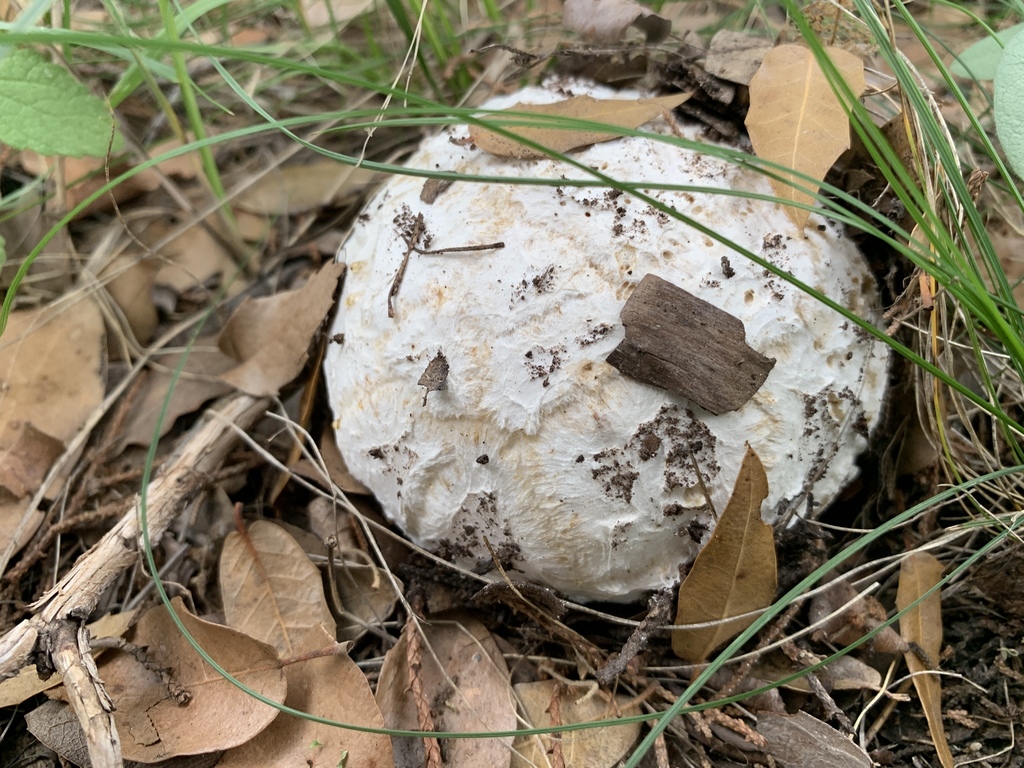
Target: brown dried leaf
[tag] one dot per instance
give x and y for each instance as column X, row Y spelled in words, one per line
column 195, row 257
column 480, row 701
column 846, row 673
column 198, row 383
column 298, row 189
column 129, row 280
column 803, row 740
column 922, row 625
column 271, row 337
column 272, row 591
column 27, row 682
column 55, row 724
column 917, row 449
column 1000, row 578
column 53, row 271
column 606, row 21
column 368, row 597
column 796, row 120
column 254, row 227
column 28, row 456
column 591, row 748
column 735, row 56
column 733, row 574
column 52, row 378
column 332, row 687
column 623, row 113
column 323, row 520
column 841, row 625
column 153, row 725
column 51, row 369
column 336, row 467
column 17, row 526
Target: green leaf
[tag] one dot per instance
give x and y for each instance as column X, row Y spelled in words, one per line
column 42, row 107
column 981, row 59
column 1008, row 104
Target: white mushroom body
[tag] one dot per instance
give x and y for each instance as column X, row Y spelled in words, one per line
column 580, row 477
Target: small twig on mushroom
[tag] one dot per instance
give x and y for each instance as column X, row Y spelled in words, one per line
column 414, row 237
column 463, row 249
column 411, row 239
column 703, row 487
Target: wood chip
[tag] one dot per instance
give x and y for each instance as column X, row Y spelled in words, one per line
column 689, row 347
column 432, row 189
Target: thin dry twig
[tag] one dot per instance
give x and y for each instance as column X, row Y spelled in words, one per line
column 517, row 601
column 805, row 658
column 414, row 237
column 83, row 520
column 774, row 632
column 306, row 406
column 657, row 614
column 661, row 751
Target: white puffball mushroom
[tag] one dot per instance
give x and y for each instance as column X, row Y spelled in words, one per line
column 578, row 476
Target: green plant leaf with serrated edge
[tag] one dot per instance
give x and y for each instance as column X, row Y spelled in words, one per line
column 43, row 108
column 980, row 60
column 1008, row 104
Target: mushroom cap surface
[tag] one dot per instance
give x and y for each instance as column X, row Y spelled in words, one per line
column 578, row 476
